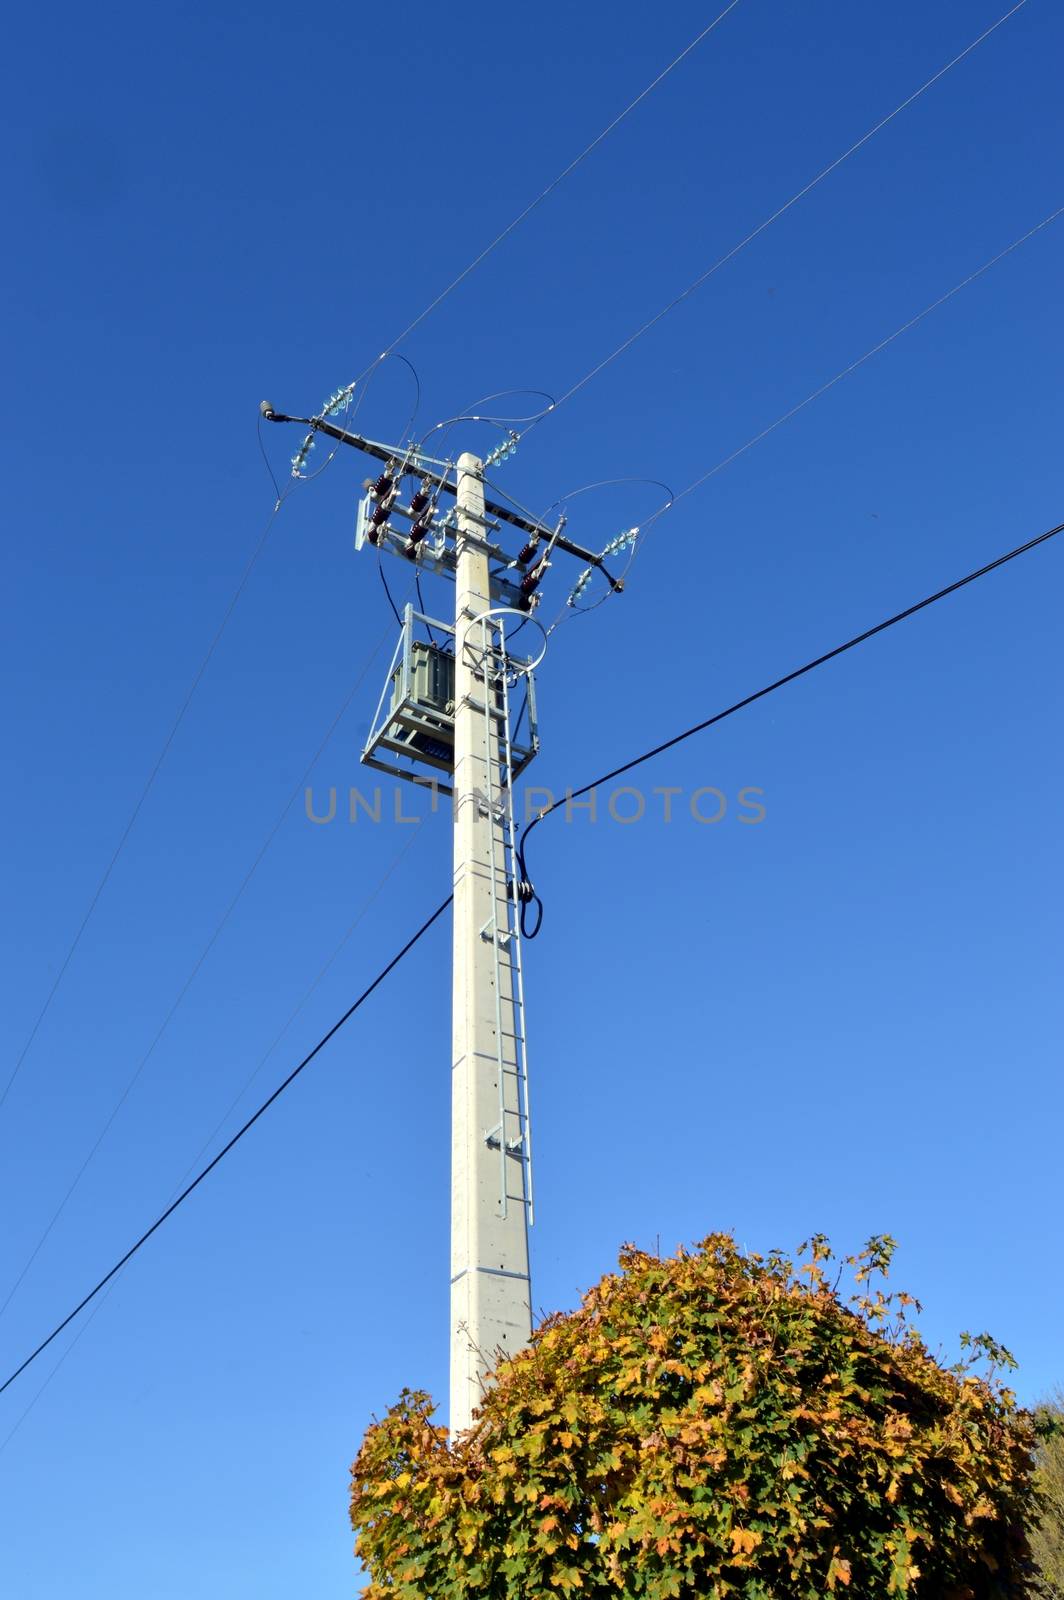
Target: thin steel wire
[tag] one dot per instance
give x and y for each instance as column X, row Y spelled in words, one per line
column 823, row 389
column 780, row 211
column 191, row 978
column 224, row 1118
column 538, row 201
column 145, row 790
column 852, row 367
column 244, row 1129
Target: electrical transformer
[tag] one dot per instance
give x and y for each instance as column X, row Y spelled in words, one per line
column 415, row 715
column 422, row 705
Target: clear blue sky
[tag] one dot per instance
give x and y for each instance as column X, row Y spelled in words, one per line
column 845, row 1019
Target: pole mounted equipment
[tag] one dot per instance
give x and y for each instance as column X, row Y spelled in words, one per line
column 440, row 474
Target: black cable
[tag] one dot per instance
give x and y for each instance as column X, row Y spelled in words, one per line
column 526, row 891
column 417, row 395
column 520, row 715
column 388, row 592
column 224, row 1151
column 421, row 600
column 527, row 896
column 142, row 1063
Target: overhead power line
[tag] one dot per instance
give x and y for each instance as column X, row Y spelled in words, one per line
column 539, row 199
column 326, row 965
column 853, row 366
column 780, row 211
column 815, row 394
column 770, row 688
column 725, row 461
column 82, row 1330
column 146, row 788
column 231, row 1144
column 223, row 1119
column 175, row 1005
column 422, row 315
column 627, row 766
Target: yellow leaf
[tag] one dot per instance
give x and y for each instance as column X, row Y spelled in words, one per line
column 838, row 1572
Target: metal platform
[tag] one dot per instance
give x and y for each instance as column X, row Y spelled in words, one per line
column 412, row 732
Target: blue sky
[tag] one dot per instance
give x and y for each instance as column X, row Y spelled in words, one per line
column 844, row 1019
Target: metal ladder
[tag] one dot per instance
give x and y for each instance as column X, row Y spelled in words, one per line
column 512, row 1134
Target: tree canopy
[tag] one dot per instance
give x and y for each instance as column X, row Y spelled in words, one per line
column 1047, row 1539
column 716, row 1424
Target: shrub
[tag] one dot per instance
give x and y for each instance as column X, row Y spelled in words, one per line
column 715, row 1424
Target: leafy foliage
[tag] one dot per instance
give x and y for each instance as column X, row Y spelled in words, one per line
column 1047, row 1537
column 716, row 1424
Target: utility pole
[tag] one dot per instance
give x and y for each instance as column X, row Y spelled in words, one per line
column 491, row 1308
column 446, row 709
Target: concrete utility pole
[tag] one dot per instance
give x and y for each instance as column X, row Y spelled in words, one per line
column 491, row 1308
column 443, row 713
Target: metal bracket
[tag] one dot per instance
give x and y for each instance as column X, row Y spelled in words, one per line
column 513, row 1146
column 490, row 808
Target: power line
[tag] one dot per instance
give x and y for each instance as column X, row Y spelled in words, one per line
column 281, row 496
column 770, row 688
column 190, row 979
column 825, row 172
column 853, row 366
column 700, row 727
column 823, row 388
column 532, row 206
column 779, row 212
column 572, row 794
column 223, row 1119
column 399, row 856
column 145, row 791
column 82, row 1330
column 235, row 1140
column 242, row 584
column 538, row 201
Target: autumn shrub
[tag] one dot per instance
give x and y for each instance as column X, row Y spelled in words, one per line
column 715, row 1424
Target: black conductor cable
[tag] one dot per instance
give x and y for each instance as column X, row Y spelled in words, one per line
column 525, row 890
column 527, row 896
column 387, row 590
column 421, row 601
column 226, row 1148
